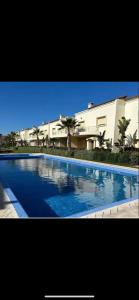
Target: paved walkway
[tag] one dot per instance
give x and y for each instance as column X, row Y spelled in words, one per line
column 6, row 208
column 126, row 210
column 130, row 210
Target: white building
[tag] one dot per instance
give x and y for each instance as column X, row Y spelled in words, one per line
column 105, row 116
column 93, row 120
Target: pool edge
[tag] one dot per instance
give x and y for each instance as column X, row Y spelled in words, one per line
column 113, row 205
column 21, row 213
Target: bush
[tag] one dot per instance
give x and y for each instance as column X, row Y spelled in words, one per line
column 124, row 157
column 130, row 149
column 6, row 150
column 101, row 155
column 112, row 157
column 29, row 149
column 60, row 152
column 83, row 154
column 96, row 155
column 134, row 158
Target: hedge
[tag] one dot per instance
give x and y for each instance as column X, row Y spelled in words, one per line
column 93, row 155
column 6, row 150
column 134, row 158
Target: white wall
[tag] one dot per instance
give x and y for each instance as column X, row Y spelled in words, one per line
column 45, row 129
column 90, row 117
column 119, row 113
column 132, row 112
column 24, row 134
column 59, row 133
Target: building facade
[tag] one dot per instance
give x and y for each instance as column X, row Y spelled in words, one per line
column 94, row 120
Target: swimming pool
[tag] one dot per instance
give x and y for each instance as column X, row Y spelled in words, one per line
column 46, row 186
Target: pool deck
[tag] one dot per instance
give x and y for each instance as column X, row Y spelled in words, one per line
column 6, row 207
column 126, row 210
column 130, row 210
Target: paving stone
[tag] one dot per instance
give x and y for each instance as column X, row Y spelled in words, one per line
column 126, row 210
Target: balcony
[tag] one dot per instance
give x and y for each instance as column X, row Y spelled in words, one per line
column 79, row 131
column 88, row 130
column 59, row 133
column 31, row 138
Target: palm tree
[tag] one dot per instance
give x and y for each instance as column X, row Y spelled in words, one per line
column 21, row 142
column 37, row 132
column 101, row 139
column 8, row 140
column 53, row 141
column 0, row 138
column 131, row 140
column 123, row 125
column 47, row 140
column 43, row 141
column 69, row 124
column 11, row 138
column 25, row 143
column 109, row 144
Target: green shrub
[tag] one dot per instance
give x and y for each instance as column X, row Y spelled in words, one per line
column 134, row 158
column 112, row 157
column 101, row 155
column 29, row 149
column 60, row 152
column 124, row 157
column 6, row 150
column 83, row 154
column 95, row 155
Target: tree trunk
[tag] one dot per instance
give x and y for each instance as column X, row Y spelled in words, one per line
column 69, row 141
column 43, row 142
column 38, row 141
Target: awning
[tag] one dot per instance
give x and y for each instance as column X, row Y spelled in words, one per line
column 93, row 138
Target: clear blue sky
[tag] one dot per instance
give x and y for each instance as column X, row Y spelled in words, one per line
column 24, row 104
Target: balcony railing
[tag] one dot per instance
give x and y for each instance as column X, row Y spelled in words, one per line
column 59, row 133
column 88, row 130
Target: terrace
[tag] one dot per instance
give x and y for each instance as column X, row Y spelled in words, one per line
column 87, row 130
column 81, row 131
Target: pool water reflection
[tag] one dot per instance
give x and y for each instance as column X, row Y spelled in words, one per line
column 55, row 188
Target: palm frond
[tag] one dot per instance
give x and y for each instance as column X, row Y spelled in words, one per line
column 135, row 135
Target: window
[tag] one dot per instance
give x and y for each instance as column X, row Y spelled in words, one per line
column 101, row 121
column 53, row 131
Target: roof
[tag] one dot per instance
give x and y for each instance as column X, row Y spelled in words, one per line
column 52, row 121
column 88, row 109
column 49, row 122
column 39, row 125
column 129, row 98
column 92, row 138
column 112, row 100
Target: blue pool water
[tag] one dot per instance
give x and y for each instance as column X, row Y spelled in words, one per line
column 47, row 187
